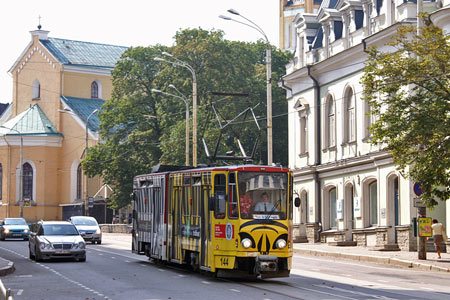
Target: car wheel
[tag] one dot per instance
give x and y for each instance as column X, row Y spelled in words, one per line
column 2, row 237
column 99, row 242
column 30, row 254
column 82, row 259
column 25, row 239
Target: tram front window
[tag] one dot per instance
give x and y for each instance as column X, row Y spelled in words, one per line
column 262, row 195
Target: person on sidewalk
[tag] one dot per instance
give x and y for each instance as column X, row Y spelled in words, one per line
column 438, row 236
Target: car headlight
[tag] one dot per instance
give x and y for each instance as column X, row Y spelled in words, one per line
column 81, row 245
column 98, row 231
column 281, row 244
column 246, row 243
column 25, row 231
column 45, row 246
column 6, row 230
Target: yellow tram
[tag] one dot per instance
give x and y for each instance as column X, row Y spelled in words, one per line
column 235, row 219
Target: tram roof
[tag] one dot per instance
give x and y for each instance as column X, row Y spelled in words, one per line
column 249, row 168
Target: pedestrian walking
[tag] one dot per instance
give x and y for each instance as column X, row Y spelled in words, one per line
column 438, row 236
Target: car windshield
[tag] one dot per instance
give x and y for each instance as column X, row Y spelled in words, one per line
column 60, row 229
column 262, row 195
column 84, row 221
column 15, row 222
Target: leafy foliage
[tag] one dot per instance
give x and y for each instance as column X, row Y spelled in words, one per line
column 141, row 129
column 409, row 93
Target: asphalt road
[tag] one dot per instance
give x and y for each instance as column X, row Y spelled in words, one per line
column 113, row 272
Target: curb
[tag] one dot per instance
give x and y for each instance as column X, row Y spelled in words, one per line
column 373, row 259
column 8, row 269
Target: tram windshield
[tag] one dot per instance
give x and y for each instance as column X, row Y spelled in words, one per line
column 262, row 195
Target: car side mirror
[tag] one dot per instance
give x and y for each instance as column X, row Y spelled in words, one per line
column 297, row 202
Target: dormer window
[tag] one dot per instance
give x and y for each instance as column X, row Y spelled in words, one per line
column 36, row 93
column 94, row 90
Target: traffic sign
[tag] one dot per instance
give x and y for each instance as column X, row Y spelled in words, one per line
column 418, row 189
column 418, row 202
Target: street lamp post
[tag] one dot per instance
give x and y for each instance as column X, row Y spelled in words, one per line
column 86, row 201
column 268, row 79
column 20, row 172
column 185, row 100
column 183, row 64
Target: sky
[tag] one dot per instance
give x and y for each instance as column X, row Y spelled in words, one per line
column 125, row 23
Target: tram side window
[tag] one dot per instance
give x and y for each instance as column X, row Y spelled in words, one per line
column 233, row 211
column 219, row 196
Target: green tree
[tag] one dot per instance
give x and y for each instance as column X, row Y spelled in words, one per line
column 408, row 90
column 141, row 129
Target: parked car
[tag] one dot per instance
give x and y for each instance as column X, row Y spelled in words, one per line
column 88, row 228
column 14, row 228
column 56, row 239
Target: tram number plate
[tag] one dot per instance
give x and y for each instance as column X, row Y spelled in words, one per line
column 224, row 262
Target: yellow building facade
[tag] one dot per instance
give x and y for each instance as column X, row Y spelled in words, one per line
column 59, row 87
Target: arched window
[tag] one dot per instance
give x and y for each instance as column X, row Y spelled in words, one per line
column 94, row 89
column 27, row 183
column 331, row 123
column 79, row 178
column 373, row 203
column 36, row 93
column 333, row 204
column 349, row 118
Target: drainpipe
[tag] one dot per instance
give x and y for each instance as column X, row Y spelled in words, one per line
column 317, row 157
column 283, row 86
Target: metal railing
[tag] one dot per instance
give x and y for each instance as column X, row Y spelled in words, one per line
column 5, row 294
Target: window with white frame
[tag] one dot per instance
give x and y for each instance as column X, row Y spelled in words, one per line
column 373, row 203
column 349, row 116
column 333, row 206
column 36, row 90
column 303, row 134
column 331, row 123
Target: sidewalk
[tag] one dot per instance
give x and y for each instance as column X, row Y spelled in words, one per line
column 397, row 258
column 6, row 266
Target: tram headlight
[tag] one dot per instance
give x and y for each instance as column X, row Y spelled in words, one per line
column 246, row 243
column 281, row 244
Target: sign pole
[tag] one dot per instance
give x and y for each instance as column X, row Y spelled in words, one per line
column 421, row 240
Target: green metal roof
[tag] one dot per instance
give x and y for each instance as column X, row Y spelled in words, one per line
column 83, row 107
column 32, row 121
column 87, row 54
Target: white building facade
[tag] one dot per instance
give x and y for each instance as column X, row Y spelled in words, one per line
column 350, row 190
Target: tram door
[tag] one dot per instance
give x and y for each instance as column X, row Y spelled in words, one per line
column 157, row 211
column 205, row 225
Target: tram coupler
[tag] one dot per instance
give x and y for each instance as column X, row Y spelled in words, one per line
column 266, row 263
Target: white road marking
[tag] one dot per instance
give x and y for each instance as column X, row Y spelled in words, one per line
column 206, row 282
column 113, row 257
column 425, row 288
column 182, row 276
column 355, row 292
column 236, row 291
column 127, row 261
column 142, row 265
column 19, row 292
column 161, row 270
column 24, row 276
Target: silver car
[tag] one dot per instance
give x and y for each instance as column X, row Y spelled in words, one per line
column 88, row 228
column 14, row 228
column 56, row 239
